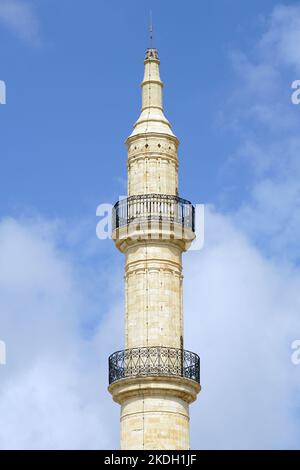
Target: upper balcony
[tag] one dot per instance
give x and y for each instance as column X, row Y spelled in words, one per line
column 157, row 216
column 156, row 207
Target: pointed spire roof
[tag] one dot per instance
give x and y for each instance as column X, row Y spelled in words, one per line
column 152, row 118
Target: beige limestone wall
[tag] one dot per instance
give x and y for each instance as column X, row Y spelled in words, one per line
column 153, row 286
column 159, row 422
column 152, row 166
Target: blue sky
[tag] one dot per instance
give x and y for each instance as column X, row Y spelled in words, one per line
column 72, row 71
column 73, row 95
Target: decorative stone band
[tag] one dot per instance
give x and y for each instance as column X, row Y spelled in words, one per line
column 154, row 361
column 153, row 207
column 156, row 386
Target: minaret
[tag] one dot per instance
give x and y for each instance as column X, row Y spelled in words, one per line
column 154, row 379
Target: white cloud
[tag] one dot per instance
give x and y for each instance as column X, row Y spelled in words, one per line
column 53, row 391
column 53, row 387
column 281, row 41
column 241, row 315
column 20, row 17
column 245, row 284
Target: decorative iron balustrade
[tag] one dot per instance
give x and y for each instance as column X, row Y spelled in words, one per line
column 148, row 207
column 154, row 361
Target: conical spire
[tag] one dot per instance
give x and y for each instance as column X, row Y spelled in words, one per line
column 152, row 118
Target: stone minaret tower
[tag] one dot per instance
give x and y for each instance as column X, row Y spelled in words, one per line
column 154, row 379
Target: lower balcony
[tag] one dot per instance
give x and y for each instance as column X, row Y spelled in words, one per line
column 154, row 361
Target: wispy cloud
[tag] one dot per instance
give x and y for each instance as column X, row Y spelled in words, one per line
column 267, row 131
column 20, row 17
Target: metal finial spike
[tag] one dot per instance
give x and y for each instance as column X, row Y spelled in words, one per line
column 151, row 29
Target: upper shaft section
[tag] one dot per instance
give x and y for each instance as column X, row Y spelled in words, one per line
column 152, row 146
column 152, row 118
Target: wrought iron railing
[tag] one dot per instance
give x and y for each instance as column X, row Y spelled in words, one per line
column 161, row 207
column 154, row 361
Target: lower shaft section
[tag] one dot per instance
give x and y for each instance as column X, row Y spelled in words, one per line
column 155, row 422
column 154, row 411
